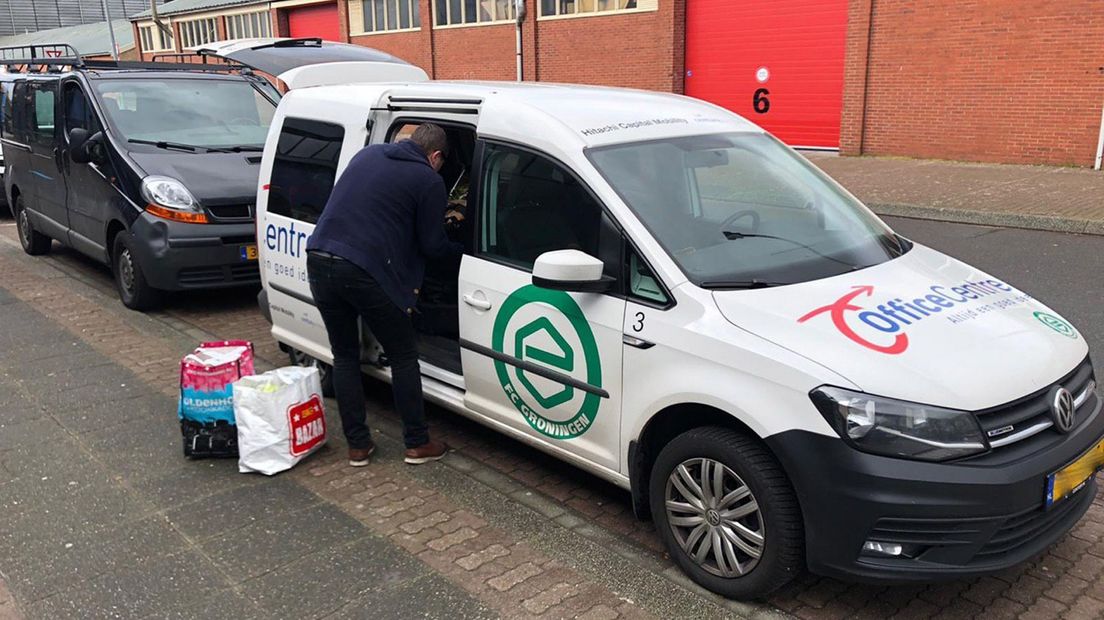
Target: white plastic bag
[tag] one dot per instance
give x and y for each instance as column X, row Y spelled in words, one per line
column 280, row 418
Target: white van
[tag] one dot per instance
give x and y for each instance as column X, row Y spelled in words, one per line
column 657, row 291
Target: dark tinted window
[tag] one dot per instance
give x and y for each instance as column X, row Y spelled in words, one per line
column 304, row 168
column 44, row 98
column 532, row 205
column 7, row 97
column 78, row 111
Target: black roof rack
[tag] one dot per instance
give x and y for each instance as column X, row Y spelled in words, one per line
column 58, row 57
column 43, row 56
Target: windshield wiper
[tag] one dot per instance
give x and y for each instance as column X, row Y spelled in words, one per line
column 164, row 144
column 732, row 235
column 741, row 284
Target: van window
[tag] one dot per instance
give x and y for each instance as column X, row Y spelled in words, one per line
column 643, row 284
column 7, row 109
column 531, row 205
column 205, row 112
column 43, row 128
column 741, row 209
column 78, row 112
column 304, row 168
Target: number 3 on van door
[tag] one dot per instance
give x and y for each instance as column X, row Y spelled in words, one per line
column 639, row 325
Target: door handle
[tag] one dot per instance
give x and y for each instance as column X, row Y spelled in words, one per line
column 481, row 304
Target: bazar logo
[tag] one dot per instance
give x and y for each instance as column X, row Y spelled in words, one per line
column 893, row 316
column 563, row 359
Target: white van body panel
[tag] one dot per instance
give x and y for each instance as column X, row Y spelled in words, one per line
column 992, row 329
column 350, row 73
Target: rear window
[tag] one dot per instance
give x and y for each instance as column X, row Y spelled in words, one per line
column 304, row 168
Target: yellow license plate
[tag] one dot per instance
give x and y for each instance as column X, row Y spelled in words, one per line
column 1072, row 477
column 249, row 252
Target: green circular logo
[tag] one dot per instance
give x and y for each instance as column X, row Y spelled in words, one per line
column 564, row 359
column 1056, row 324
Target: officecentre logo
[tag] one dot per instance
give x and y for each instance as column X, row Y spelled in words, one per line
column 544, row 408
column 892, row 318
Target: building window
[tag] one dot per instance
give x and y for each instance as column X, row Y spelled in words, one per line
column 384, row 15
column 461, row 12
column 248, row 25
column 561, row 8
column 199, row 32
column 154, row 39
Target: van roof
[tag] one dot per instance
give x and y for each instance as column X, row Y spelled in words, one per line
column 590, row 115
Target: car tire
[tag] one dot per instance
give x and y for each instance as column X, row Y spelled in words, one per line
column 134, row 291
column 325, row 371
column 33, row 242
column 762, row 515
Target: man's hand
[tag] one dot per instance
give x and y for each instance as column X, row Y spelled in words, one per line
column 453, row 217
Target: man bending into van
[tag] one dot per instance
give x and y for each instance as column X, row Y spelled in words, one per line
column 366, row 259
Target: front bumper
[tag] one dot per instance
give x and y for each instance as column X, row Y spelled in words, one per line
column 960, row 519
column 178, row 256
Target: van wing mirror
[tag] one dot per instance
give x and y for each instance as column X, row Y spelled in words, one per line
column 570, row 270
column 86, row 147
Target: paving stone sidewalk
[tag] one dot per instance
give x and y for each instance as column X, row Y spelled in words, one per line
column 1039, row 197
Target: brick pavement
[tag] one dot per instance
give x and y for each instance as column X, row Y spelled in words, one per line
column 494, row 557
column 1042, row 197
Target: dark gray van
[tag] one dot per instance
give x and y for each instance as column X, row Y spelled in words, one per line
column 150, row 168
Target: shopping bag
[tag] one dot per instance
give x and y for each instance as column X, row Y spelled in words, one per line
column 280, row 418
column 206, row 406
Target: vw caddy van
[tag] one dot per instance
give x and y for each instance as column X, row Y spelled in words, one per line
column 660, row 293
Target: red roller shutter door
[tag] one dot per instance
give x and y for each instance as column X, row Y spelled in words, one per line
column 318, row 20
column 776, row 62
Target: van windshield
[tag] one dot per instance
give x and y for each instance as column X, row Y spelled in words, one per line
column 742, row 210
column 200, row 112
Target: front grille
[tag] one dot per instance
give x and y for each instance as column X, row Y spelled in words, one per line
column 235, row 212
column 246, row 273
column 1019, row 529
column 1030, row 416
column 980, row 541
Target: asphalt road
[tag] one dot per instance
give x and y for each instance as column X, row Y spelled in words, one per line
column 1065, row 272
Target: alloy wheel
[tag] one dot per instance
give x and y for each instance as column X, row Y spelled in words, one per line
column 715, row 517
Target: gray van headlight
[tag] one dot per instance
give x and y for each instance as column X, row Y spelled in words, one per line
column 169, row 199
column 899, row 428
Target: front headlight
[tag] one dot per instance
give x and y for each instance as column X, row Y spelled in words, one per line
column 169, row 199
column 899, row 428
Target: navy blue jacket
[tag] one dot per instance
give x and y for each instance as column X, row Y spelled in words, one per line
column 386, row 215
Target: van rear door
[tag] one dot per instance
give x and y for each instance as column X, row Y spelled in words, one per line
column 298, row 171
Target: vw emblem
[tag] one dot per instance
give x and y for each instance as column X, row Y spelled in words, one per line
column 1061, row 409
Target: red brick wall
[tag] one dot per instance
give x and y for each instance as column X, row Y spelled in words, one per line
column 635, row 50
column 981, row 80
column 641, row 50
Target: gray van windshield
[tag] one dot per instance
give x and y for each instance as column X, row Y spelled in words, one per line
column 199, row 112
column 741, row 210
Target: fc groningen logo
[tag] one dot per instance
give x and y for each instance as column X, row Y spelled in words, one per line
column 519, row 388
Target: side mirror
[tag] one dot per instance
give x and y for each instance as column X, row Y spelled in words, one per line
column 570, row 270
column 85, row 147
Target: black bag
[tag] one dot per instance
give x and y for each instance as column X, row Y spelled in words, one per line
column 211, row 440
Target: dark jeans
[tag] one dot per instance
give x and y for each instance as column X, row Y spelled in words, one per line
column 343, row 293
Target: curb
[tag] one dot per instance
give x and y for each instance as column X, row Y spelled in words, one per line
column 1048, row 223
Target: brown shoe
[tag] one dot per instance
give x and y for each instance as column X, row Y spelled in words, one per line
column 429, row 451
column 359, row 457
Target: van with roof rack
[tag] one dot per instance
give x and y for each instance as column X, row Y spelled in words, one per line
column 149, row 167
column 659, row 292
